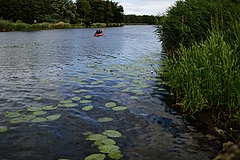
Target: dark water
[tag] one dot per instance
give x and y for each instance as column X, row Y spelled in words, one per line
column 118, row 67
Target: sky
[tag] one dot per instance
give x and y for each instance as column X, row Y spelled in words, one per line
column 145, row 7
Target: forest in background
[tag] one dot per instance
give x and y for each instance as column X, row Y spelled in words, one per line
column 83, row 12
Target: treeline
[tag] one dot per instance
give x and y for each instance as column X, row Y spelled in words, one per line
column 202, row 41
column 53, row 11
column 140, row 19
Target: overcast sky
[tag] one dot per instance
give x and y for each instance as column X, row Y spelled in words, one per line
column 145, row 7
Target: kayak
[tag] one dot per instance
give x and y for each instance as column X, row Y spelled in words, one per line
column 98, row 34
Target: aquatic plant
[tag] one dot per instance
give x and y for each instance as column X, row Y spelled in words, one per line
column 207, row 77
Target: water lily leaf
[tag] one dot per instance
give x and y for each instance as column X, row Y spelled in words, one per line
column 17, row 120
column 53, row 117
column 96, row 157
column 76, row 98
column 108, row 141
column 98, row 143
column 34, row 109
column 109, row 149
column 37, row 98
column 3, row 129
column 39, row 119
column 161, row 89
column 134, row 97
column 119, row 108
column 95, row 137
column 115, row 155
column 39, row 113
column 70, row 105
column 87, row 133
column 65, row 101
column 88, row 96
column 112, row 133
column 105, row 119
column 12, row 114
column 28, row 117
column 78, row 91
column 87, row 108
column 110, row 104
column 85, row 101
column 48, row 108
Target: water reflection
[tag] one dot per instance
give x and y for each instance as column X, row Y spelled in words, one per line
column 57, row 65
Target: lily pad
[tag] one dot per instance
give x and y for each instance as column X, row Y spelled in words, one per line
column 65, row 101
column 95, row 137
column 134, row 97
column 78, row 91
column 12, row 114
column 39, row 119
column 88, row 96
column 105, row 119
column 34, row 109
column 112, row 133
column 115, row 155
column 87, row 108
column 76, row 98
column 37, row 98
column 17, row 120
column 70, row 105
column 87, row 133
column 28, row 117
column 108, row 141
column 53, row 117
column 96, row 157
column 39, row 113
column 3, row 129
column 109, row 149
column 48, row 108
column 85, row 101
column 110, row 104
column 119, row 108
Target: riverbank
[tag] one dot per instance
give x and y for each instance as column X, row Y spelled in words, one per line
column 9, row 26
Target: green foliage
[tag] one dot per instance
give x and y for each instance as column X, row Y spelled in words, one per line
column 95, row 11
column 190, row 21
column 136, row 19
column 6, row 26
column 207, row 76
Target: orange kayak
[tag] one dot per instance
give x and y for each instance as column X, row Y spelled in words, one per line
column 98, row 34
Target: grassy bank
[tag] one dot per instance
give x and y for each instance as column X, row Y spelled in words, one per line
column 8, row 26
column 203, row 65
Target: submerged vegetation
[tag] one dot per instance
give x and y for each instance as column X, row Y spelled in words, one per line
column 202, row 42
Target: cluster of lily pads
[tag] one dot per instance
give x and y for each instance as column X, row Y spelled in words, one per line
column 105, row 144
column 130, row 79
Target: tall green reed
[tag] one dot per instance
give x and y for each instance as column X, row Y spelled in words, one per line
column 206, row 77
column 190, row 21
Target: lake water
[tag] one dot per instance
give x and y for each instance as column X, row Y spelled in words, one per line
column 71, row 76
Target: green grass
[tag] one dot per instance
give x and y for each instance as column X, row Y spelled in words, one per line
column 202, row 43
column 8, row 26
column 206, row 77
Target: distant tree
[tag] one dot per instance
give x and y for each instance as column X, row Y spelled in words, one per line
column 132, row 18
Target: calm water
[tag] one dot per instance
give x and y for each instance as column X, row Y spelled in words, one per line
column 43, row 68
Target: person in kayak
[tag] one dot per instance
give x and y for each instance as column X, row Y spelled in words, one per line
column 98, row 32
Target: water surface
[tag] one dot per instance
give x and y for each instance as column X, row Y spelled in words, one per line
column 43, row 68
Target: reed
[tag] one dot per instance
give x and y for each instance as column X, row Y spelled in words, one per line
column 206, row 77
column 191, row 21
column 7, row 26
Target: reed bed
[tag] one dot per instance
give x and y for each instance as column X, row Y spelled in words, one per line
column 8, row 26
column 202, row 41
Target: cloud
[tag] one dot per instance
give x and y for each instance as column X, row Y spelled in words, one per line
column 146, row 7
